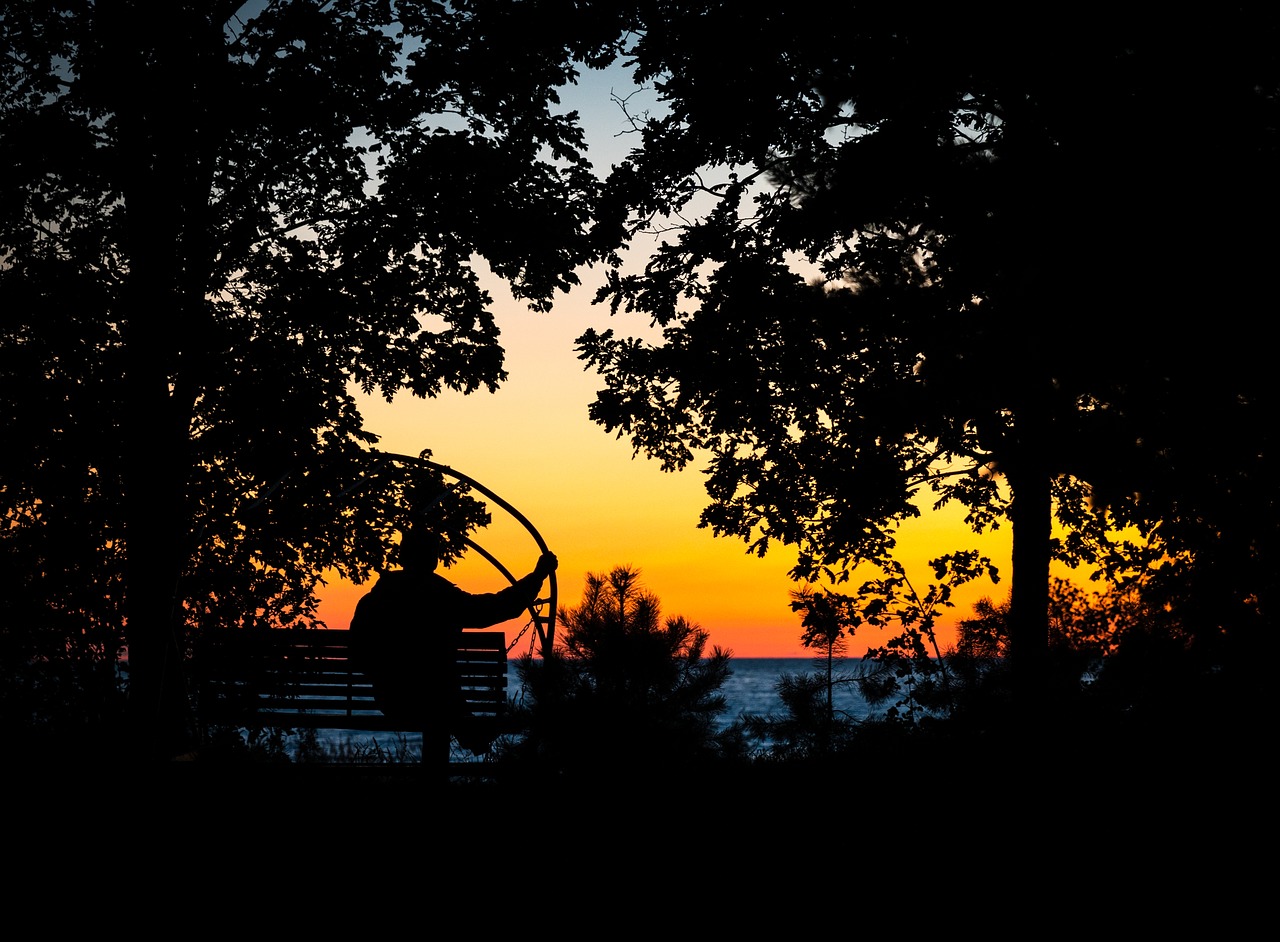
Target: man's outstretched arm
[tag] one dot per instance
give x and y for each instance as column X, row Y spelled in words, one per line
column 481, row 610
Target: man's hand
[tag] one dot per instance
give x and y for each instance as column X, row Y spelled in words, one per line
column 547, row 564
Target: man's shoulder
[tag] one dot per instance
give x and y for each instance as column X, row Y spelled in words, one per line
column 398, row 582
column 398, row 588
column 391, row 592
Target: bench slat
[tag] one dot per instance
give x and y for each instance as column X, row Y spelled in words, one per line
column 303, row 678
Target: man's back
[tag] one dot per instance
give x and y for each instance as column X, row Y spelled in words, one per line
column 405, row 635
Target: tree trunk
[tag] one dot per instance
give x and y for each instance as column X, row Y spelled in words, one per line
column 1031, row 516
column 158, row 704
column 152, row 165
column 1029, row 596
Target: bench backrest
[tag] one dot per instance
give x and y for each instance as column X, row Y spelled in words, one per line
column 304, row 678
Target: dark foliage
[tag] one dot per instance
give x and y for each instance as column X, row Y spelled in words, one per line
column 1002, row 236
column 626, row 691
column 216, row 221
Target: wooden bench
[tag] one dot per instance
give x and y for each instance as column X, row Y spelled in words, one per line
column 286, row 678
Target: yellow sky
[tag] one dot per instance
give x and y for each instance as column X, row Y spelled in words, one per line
column 597, row 507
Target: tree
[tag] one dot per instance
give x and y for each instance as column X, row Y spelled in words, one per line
column 624, row 688
column 216, row 219
column 811, row 726
column 994, row 271
column 825, row 619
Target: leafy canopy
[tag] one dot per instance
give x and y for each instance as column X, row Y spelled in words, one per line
column 217, row 221
column 898, row 259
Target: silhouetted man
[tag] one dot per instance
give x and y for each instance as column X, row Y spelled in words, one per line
column 406, row 630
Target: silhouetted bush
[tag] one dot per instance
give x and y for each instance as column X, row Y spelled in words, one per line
column 624, row 688
column 809, row 728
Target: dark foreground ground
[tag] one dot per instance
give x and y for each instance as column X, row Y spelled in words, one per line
column 1213, row 780
column 1141, row 836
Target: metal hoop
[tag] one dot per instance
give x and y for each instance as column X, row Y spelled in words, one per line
column 543, row 624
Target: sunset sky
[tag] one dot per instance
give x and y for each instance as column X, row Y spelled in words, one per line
column 595, row 505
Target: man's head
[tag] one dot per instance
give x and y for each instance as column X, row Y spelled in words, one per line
column 421, row 548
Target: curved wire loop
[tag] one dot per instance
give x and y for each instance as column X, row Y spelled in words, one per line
column 544, row 624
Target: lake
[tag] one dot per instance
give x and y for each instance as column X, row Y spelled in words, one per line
column 751, row 688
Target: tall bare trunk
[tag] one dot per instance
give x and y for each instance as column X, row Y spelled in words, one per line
column 1031, row 514
column 152, row 168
